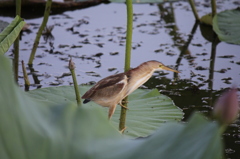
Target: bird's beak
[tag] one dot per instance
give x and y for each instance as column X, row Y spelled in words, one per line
column 169, row 69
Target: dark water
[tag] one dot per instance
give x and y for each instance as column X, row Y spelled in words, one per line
column 95, row 38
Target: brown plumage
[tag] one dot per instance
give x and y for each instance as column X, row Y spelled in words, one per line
column 110, row 91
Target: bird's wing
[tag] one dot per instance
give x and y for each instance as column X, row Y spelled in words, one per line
column 107, row 87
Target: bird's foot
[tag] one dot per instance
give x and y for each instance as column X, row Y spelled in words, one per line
column 123, row 102
column 123, row 106
column 121, row 131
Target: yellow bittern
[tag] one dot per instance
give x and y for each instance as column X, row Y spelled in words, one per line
column 110, row 91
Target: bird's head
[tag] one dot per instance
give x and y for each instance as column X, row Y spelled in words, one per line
column 160, row 66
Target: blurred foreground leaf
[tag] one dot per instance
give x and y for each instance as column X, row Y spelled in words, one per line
column 148, row 109
column 226, row 24
column 10, row 33
column 44, row 130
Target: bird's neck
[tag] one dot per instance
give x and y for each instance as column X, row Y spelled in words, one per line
column 139, row 76
column 142, row 74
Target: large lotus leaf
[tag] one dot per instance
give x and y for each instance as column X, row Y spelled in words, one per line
column 10, row 33
column 147, row 108
column 33, row 129
column 144, row 1
column 227, row 26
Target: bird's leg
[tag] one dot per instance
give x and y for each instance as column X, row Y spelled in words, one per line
column 111, row 110
column 121, row 104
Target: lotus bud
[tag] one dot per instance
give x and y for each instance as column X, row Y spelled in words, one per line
column 226, row 107
column 71, row 64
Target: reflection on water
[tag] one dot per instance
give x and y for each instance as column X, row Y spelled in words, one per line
column 95, row 39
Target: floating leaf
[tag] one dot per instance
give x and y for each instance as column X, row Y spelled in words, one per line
column 147, row 108
column 227, row 26
column 207, row 19
column 32, row 128
column 10, row 33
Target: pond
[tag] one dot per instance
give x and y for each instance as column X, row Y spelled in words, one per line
column 95, row 38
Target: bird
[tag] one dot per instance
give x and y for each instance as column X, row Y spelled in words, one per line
column 110, row 91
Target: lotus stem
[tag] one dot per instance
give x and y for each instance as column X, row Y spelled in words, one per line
column 127, row 59
column 25, row 76
column 16, row 43
column 16, row 58
column 129, row 35
column 77, row 92
column 194, row 10
column 39, row 33
column 214, row 8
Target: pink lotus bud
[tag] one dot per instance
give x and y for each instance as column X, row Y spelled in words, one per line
column 226, row 107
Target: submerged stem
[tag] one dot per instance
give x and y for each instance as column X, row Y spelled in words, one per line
column 127, row 58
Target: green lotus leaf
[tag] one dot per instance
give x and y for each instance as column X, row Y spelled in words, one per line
column 41, row 129
column 226, row 24
column 148, row 109
column 10, row 33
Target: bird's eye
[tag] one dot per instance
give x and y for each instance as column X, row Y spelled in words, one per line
column 160, row 65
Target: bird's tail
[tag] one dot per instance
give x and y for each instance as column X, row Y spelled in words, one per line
column 86, row 101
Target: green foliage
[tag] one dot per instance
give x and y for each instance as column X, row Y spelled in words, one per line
column 33, row 129
column 148, row 109
column 10, row 33
column 227, row 26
